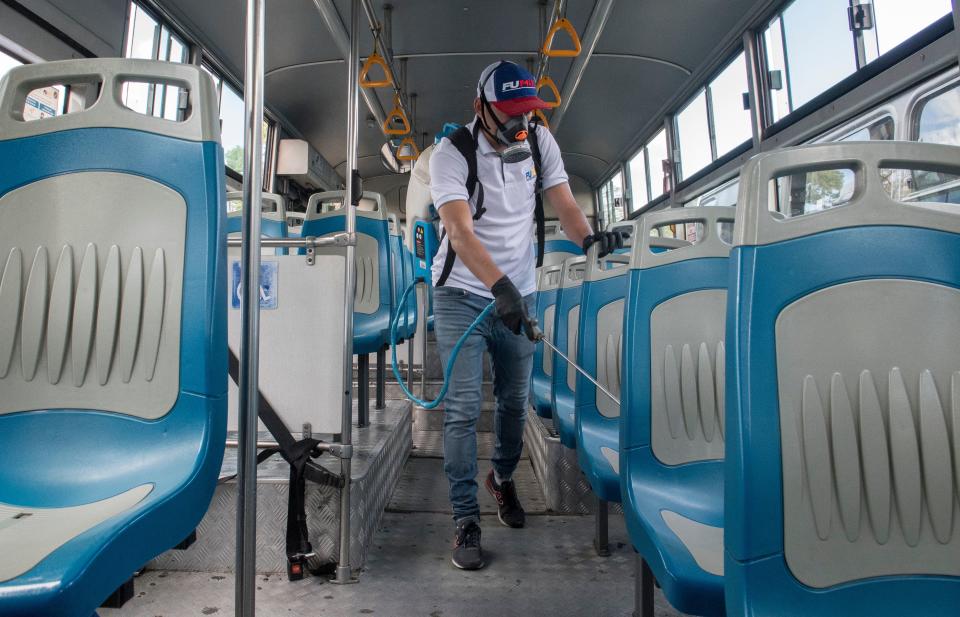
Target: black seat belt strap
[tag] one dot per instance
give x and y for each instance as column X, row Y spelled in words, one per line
column 298, row 455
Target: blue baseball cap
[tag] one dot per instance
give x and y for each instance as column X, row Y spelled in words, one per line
column 510, row 88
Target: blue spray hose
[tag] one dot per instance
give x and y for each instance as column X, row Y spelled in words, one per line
column 453, row 353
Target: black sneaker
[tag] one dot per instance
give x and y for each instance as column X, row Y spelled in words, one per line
column 467, row 554
column 509, row 510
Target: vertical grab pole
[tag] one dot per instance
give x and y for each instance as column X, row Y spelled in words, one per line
column 250, row 317
column 344, row 571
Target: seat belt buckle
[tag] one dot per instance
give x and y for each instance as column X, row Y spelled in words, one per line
column 296, row 564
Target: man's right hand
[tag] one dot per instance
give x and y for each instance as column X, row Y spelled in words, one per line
column 510, row 305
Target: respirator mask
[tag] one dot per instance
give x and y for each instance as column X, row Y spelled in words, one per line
column 512, row 134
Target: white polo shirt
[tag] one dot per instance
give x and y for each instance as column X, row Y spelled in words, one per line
column 507, row 228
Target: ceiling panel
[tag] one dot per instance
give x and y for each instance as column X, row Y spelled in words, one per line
column 449, row 43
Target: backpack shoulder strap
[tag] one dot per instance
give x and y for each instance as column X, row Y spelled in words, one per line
column 466, row 144
column 538, row 213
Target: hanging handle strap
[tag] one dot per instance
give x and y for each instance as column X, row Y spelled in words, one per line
column 561, row 24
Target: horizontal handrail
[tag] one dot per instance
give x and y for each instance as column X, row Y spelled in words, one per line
column 340, row 239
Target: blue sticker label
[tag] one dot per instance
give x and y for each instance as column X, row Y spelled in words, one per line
column 268, row 285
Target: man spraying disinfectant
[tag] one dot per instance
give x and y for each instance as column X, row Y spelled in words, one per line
column 487, row 183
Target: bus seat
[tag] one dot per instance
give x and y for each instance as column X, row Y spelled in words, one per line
column 373, row 299
column 548, row 283
column 844, row 391
column 273, row 221
column 565, row 330
column 294, row 223
column 556, row 245
column 671, row 435
column 112, row 332
column 599, row 350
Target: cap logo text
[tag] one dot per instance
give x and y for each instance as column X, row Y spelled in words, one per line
column 517, row 85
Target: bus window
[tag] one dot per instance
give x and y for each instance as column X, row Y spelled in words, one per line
column 637, row 168
column 938, row 118
column 693, row 136
column 808, row 192
column 723, row 195
column 731, row 121
column 149, row 39
column 7, row 63
column 896, row 20
column 878, row 131
column 811, row 46
column 659, row 164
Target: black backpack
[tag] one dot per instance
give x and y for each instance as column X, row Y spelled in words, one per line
column 465, row 142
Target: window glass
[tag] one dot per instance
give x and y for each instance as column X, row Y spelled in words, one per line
column 811, row 46
column 149, row 39
column 898, row 20
column 723, row 195
column 819, row 47
column 693, row 136
column 7, row 63
column 938, row 119
column 813, row 191
column 878, row 131
column 921, row 185
column 730, row 120
column 41, row 103
column 637, row 168
column 231, row 128
column 779, row 93
column 618, row 207
column 659, row 164
column 141, row 34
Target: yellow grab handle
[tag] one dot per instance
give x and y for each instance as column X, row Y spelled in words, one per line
column 396, row 114
column 375, row 59
column 546, row 82
column 561, row 24
column 414, row 150
column 542, row 119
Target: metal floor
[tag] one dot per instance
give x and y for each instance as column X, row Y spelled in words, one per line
column 547, row 568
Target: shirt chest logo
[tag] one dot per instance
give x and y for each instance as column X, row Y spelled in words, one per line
column 530, row 174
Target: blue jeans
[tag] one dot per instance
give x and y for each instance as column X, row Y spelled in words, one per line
column 512, row 354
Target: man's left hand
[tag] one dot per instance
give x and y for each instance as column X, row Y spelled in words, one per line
column 607, row 241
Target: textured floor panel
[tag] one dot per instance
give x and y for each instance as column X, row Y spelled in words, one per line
column 379, row 453
column 565, row 487
column 423, row 488
column 429, row 444
column 548, row 568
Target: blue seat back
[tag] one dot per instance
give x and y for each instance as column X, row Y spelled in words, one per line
column 556, row 246
column 541, row 381
column 112, row 320
column 273, row 219
column 671, row 428
column 565, row 331
column 373, row 302
column 844, row 383
column 673, row 339
column 599, row 351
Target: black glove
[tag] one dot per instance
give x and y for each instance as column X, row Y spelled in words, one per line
column 510, row 306
column 609, row 241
